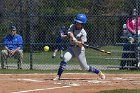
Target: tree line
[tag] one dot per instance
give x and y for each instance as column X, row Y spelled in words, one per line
column 105, row 18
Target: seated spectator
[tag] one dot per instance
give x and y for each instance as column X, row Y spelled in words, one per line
column 125, row 47
column 131, row 27
column 131, row 38
column 12, row 48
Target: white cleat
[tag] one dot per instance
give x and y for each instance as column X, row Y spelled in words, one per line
column 53, row 56
column 61, row 56
column 101, row 75
column 57, row 77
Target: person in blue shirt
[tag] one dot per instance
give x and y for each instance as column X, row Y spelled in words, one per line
column 12, row 48
column 59, row 41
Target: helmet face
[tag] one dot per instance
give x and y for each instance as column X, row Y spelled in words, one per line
column 81, row 18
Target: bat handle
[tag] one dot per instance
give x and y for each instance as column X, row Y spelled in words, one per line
column 85, row 45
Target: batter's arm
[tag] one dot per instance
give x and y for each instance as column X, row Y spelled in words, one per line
column 72, row 38
column 79, row 43
column 63, row 35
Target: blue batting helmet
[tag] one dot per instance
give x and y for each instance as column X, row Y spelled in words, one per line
column 80, row 18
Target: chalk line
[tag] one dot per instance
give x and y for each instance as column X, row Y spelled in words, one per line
column 26, row 91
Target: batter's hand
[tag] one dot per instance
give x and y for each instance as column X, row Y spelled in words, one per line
column 79, row 43
column 63, row 36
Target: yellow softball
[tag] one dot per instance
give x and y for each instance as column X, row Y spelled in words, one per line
column 46, row 48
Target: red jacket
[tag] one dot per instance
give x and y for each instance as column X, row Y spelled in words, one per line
column 131, row 26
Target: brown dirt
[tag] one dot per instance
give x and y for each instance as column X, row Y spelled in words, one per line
column 70, row 83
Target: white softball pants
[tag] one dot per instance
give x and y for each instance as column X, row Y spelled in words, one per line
column 79, row 53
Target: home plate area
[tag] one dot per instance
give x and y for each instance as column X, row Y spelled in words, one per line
column 69, row 83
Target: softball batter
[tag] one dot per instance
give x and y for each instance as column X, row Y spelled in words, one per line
column 77, row 35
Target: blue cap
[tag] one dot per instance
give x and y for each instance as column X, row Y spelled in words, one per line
column 13, row 28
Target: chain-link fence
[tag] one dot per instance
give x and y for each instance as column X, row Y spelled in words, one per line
column 38, row 22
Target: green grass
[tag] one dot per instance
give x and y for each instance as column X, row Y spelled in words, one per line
column 120, row 91
column 23, row 71
column 20, row 71
column 92, row 56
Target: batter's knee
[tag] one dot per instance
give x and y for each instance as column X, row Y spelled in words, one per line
column 66, row 58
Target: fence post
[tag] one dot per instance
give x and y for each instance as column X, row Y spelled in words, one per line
column 137, row 38
column 30, row 32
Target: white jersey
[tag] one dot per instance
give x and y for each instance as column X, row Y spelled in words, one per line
column 80, row 35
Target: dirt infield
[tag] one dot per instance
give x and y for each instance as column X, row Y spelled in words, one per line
column 70, row 83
